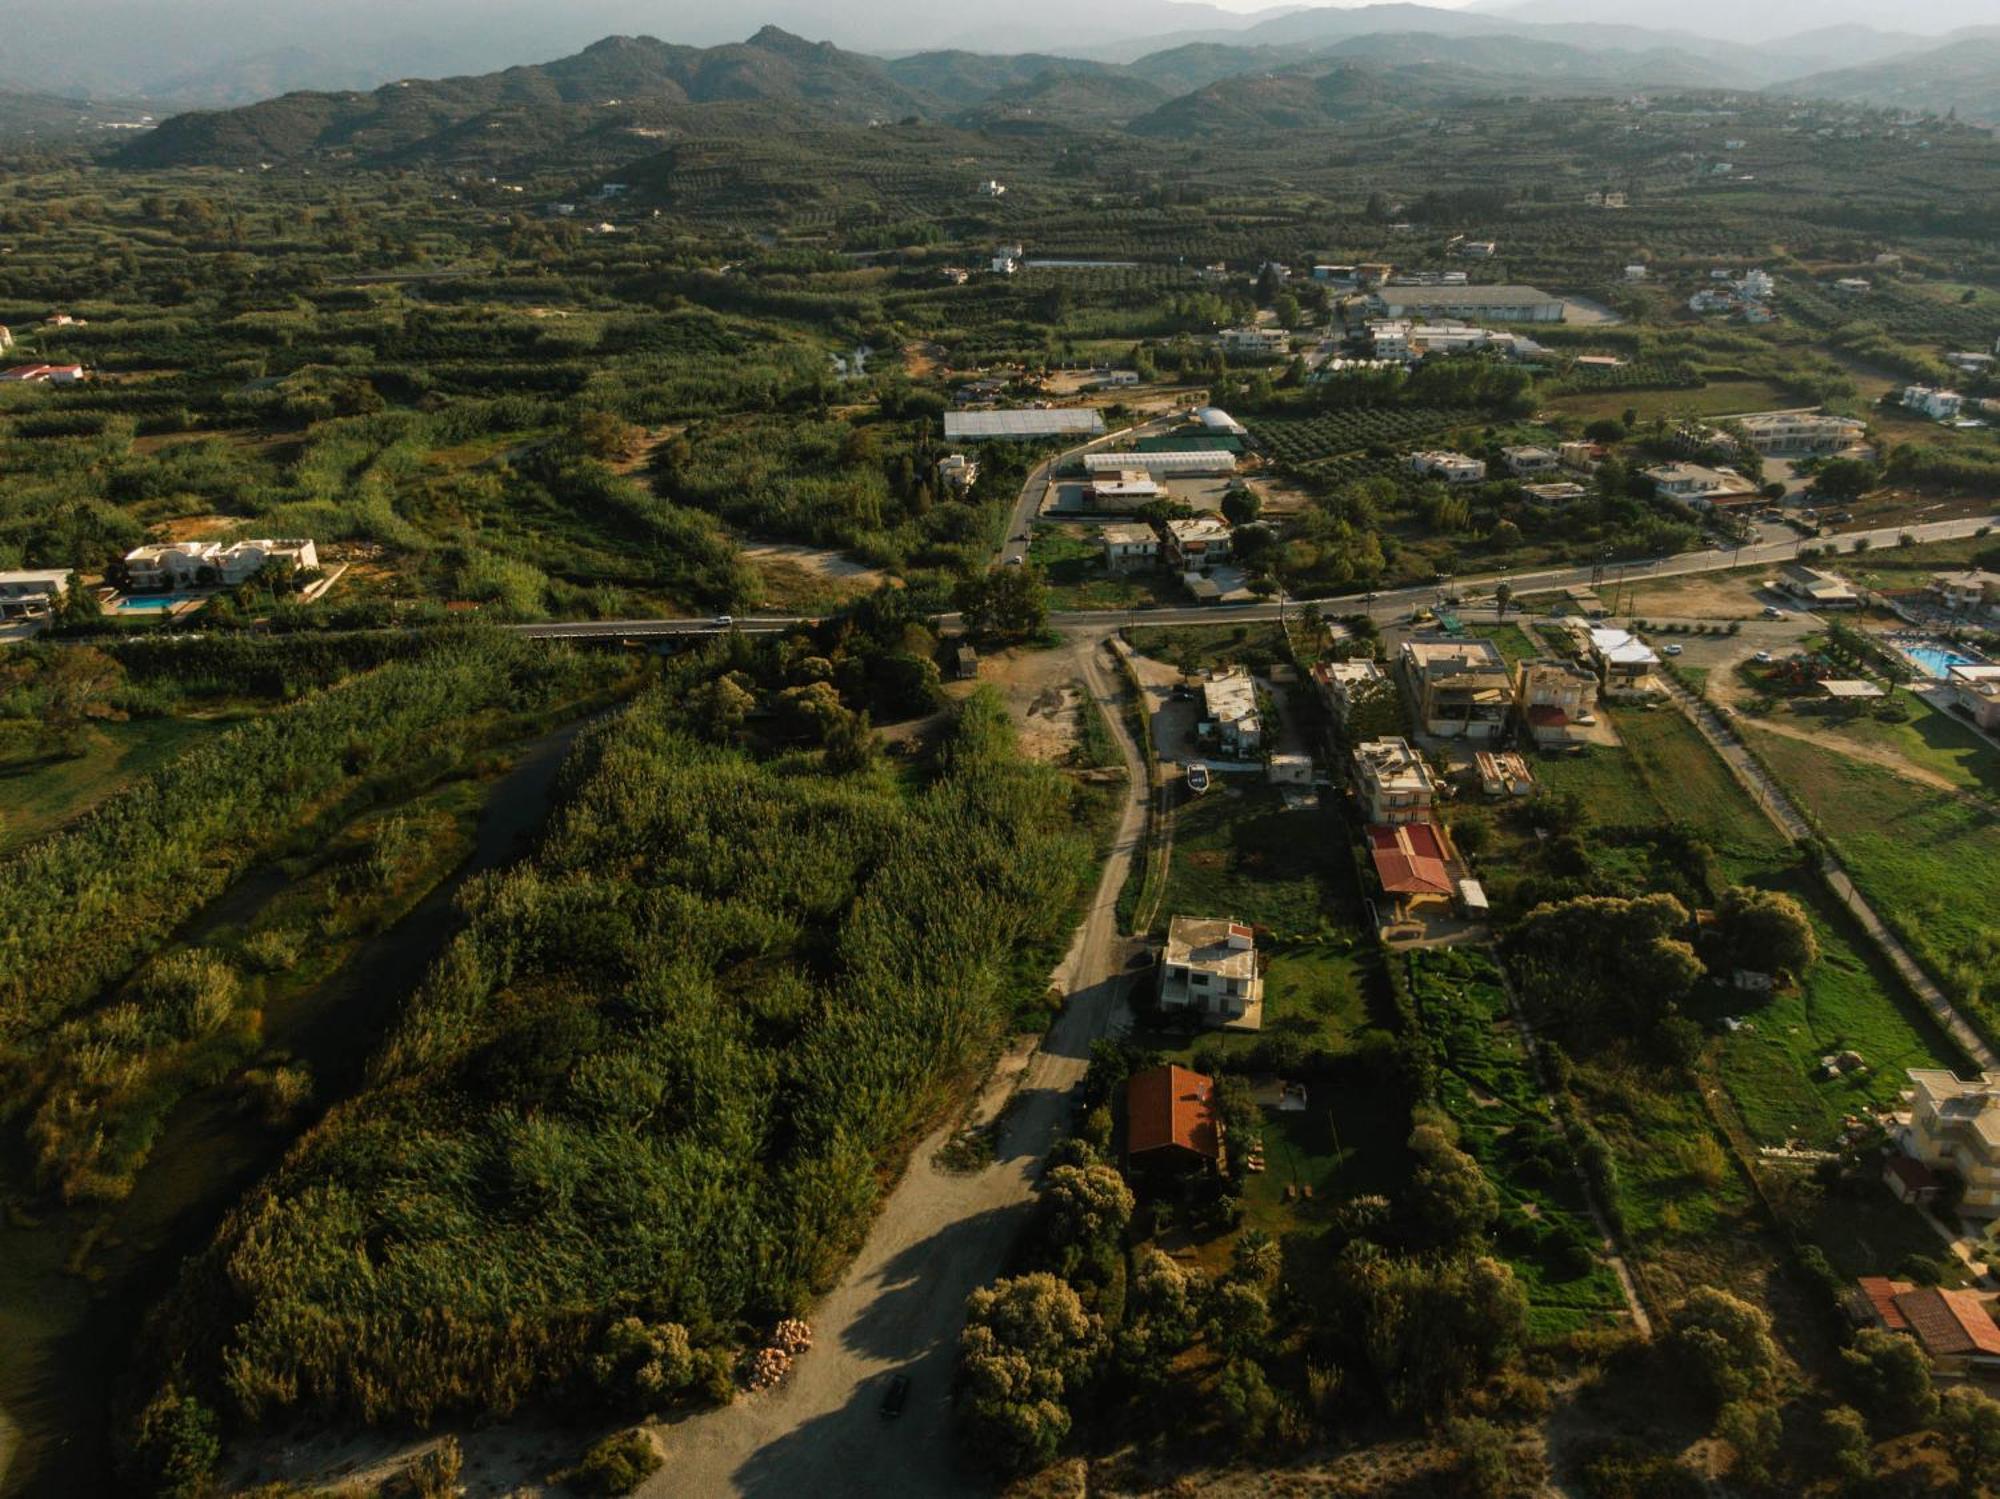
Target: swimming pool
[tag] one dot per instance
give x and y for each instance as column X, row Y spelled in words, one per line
column 157, row 603
column 1937, row 660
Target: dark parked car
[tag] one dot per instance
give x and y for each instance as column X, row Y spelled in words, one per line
column 897, row 1395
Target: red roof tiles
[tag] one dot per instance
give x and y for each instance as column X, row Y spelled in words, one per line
column 1171, row 1107
column 1409, row 859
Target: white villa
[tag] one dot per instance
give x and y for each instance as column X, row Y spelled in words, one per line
column 1954, row 1125
column 185, row 564
column 1210, row 967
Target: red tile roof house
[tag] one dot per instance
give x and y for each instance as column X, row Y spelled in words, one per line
column 1955, row 1328
column 1170, row 1120
column 1411, row 863
column 57, row 374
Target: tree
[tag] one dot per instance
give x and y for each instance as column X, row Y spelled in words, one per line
column 1026, row 1343
column 1429, row 1329
column 850, row 743
column 1449, row 1197
column 1891, row 1379
column 1603, row 962
column 1843, row 1444
column 1754, row 1428
column 1007, row 604
column 1846, row 478
column 718, row 708
column 1970, row 1421
column 1255, row 1258
column 1723, row 1343
column 176, row 1446
column 1249, row 1406
column 642, row 1367
column 1241, row 506
column 1084, row 1206
column 1503, row 592
column 1765, row 930
column 75, row 687
column 1239, row 1319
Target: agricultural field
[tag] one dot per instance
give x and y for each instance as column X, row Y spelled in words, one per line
column 1930, row 864
column 1487, row 1084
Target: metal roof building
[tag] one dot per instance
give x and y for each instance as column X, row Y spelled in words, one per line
column 981, row 426
column 1499, row 304
column 1193, row 461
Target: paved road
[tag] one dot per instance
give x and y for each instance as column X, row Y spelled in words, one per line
column 1035, row 488
column 1383, row 606
column 901, row 1303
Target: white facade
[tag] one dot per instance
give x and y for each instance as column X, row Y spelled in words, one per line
column 31, row 592
column 1453, row 468
column 185, row 564
column 1210, row 967
column 1393, row 782
column 1229, row 701
column 1938, row 405
column 1130, row 548
column 1528, row 462
column 1955, row 1126
column 1807, row 432
column 1260, row 341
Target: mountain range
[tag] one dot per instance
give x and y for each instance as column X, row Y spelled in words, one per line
column 225, row 52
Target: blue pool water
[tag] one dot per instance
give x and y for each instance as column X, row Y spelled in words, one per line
column 1936, row 660
column 154, row 603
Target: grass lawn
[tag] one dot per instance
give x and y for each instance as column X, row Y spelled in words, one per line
column 1850, row 1000
column 40, row 792
column 1687, row 782
column 1900, row 569
column 1203, row 646
column 1929, row 864
column 1932, row 739
column 1072, row 559
column 1346, row 1142
column 1717, row 398
column 1869, row 1233
column 1772, row 1071
column 1509, row 639
column 1238, row 852
column 1488, row 1086
column 1323, row 995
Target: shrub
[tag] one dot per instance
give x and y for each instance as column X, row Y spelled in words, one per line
column 176, row 1446
column 616, row 1465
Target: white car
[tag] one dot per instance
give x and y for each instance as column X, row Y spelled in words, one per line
column 1762, row 658
column 724, row 622
column 1672, row 650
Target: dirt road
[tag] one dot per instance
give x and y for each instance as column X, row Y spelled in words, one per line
column 901, row 1303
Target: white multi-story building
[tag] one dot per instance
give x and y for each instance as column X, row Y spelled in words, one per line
column 192, row 564
column 1453, row 468
column 1210, row 967
column 1954, row 1125
column 1229, row 702
column 33, row 592
column 1392, row 782
column 1938, row 405
column 1130, row 548
column 1803, row 432
column 1530, row 462
column 1264, row 342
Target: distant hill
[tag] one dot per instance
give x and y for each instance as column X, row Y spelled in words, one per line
column 1305, row 99
column 620, row 81
column 1964, row 76
column 972, row 77
column 26, row 116
column 1541, row 64
column 1071, row 97
column 1770, row 21
column 1183, row 69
